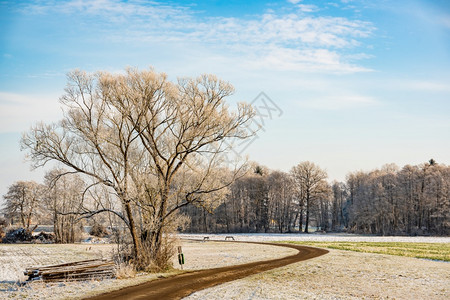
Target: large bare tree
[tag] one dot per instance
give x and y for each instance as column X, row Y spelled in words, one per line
column 156, row 144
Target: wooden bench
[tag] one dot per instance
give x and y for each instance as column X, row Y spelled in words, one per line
column 206, row 238
column 229, row 237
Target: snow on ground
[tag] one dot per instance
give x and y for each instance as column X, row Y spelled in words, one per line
column 337, row 275
column 211, row 254
column 14, row 258
column 317, row 237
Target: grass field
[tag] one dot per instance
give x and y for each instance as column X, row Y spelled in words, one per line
column 434, row 251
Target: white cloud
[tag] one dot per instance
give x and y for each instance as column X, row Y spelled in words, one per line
column 339, row 102
column 286, row 30
column 18, row 112
column 307, row 7
column 320, row 43
column 309, row 60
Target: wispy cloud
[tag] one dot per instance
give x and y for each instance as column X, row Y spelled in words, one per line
column 339, row 102
column 433, row 13
column 308, row 60
column 290, row 40
column 308, row 7
column 19, row 111
column 290, row 31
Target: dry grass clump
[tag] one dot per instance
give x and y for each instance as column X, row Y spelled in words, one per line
column 148, row 260
column 162, row 262
column 125, row 270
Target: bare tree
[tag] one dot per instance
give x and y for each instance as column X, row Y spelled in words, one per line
column 134, row 133
column 311, row 185
column 23, row 202
column 64, row 196
column 280, row 186
column 339, row 217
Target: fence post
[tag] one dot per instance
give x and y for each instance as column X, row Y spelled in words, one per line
column 180, row 257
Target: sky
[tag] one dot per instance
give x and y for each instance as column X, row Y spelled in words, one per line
column 348, row 85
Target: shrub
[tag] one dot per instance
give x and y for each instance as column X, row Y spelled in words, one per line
column 2, row 228
column 98, row 230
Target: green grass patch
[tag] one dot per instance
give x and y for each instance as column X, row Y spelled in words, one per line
column 435, row 251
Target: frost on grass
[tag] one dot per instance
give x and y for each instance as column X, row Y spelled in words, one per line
column 15, row 258
column 207, row 255
column 318, row 237
column 337, row 275
column 342, row 275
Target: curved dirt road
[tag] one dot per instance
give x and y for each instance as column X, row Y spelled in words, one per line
column 183, row 285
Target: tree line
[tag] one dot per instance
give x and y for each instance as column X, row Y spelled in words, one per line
column 388, row 201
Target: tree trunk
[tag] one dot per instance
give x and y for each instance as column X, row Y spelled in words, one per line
column 227, row 221
column 300, row 222
column 133, row 231
column 205, row 227
column 307, row 214
column 22, row 216
column 295, row 220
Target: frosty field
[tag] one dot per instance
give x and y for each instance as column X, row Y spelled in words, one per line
column 337, row 275
column 342, row 275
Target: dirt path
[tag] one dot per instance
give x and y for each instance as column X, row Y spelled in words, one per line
column 180, row 286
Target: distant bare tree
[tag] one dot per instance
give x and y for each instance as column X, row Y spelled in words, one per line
column 64, row 196
column 23, row 202
column 339, row 215
column 281, row 195
column 310, row 184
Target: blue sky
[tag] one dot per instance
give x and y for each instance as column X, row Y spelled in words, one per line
column 360, row 83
